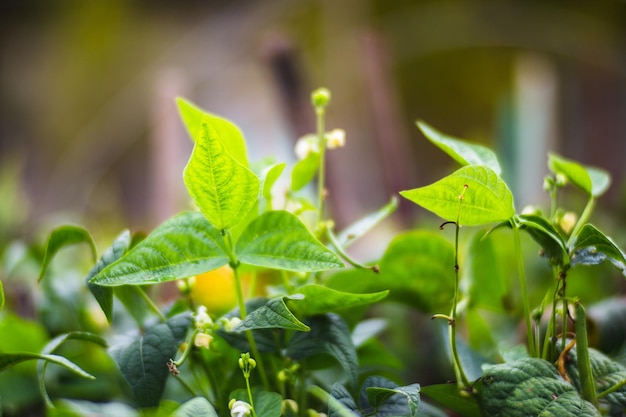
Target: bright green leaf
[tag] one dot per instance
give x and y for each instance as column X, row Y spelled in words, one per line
column 528, row 388
column 183, row 246
column 417, row 269
column 464, row 152
column 365, row 224
column 448, row 396
column 266, row 404
column 223, row 188
column 104, row 295
column 143, row 361
column 487, row 198
column 304, row 171
column 271, row 175
column 593, row 181
column 8, row 360
column 273, row 315
column 329, row 335
column 593, row 247
column 196, row 407
column 230, row 135
column 279, row 240
column 319, row 299
column 65, row 236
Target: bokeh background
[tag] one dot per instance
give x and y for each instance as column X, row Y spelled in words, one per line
column 89, row 130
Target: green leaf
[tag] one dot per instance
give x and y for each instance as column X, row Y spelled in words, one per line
column 198, row 406
column 365, row 224
column 389, row 399
column 487, row 198
column 593, row 181
column 279, row 240
column 8, row 360
column 223, row 188
column 464, row 152
column 304, row 171
column 183, row 246
column 273, row 315
column 449, row 397
column 530, row 387
column 230, row 135
column 78, row 408
column 544, row 233
column 1, row 296
column 341, row 404
column 488, row 283
column 266, row 404
column 593, row 247
column 422, row 254
column 329, row 335
column 143, row 361
column 64, row 236
column 319, row 299
column 271, row 175
column 606, row 374
column 104, row 295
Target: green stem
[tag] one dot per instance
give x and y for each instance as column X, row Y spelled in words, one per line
column 582, row 220
column 522, row 279
column 186, row 386
column 341, row 251
column 321, row 137
column 334, row 404
column 614, row 388
column 582, row 356
column 458, row 366
column 548, row 344
column 149, row 302
column 188, row 348
column 247, row 378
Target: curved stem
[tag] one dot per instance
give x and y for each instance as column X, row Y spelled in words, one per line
column 149, row 302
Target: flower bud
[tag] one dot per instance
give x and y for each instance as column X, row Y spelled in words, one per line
column 320, row 97
column 203, row 340
column 239, row 408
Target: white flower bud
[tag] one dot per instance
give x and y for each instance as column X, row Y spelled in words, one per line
column 202, row 319
column 306, row 145
column 239, row 409
column 203, row 340
column 336, row 138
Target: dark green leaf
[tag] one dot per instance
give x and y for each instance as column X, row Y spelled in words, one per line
column 278, row 239
column 196, row 407
column 464, row 152
column 329, row 335
column 223, row 188
column 544, row 233
column 104, row 295
column 143, row 361
column 487, row 198
column 593, row 181
column 273, row 315
column 64, row 236
column 304, row 171
column 228, row 132
column 319, row 299
column 365, row 224
column 134, row 302
column 183, row 246
column 389, row 399
column 341, row 404
column 449, row 397
column 592, row 247
column 417, row 269
column 8, row 360
column 266, row 404
column 530, row 387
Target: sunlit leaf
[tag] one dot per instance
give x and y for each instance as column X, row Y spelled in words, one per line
column 223, row 188
column 64, row 236
column 593, row 247
column 594, row 181
column 271, row 175
column 198, row 406
column 487, row 198
column 143, row 361
column 530, row 387
column 462, row 151
column 183, row 246
column 365, row 224
column 230, row 135
column 273, row 315
column 304, row 171
column 278, row 239
column 319, row 299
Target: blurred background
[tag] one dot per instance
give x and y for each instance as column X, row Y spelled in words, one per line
column 89, row 130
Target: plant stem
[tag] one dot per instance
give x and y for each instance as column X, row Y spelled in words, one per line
column 582, row 356
column 522, row 278
column 321, row 137
column 458, row 366
column 186, row 386
column 582, row 220
column 149, row 302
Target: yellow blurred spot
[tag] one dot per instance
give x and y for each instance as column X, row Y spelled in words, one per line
column 215, row 290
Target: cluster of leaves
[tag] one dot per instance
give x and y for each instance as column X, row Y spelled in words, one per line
column 301, row 345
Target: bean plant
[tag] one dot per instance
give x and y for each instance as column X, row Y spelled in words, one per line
column 301, row 339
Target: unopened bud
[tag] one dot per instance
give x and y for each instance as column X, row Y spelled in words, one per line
column 320, row 97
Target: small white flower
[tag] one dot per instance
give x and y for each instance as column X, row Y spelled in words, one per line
column 240, row 409
column 230, row 324
column 336, row 138
column 307, row 145
column 202, row 319
column 568, row 221
column 203, row 340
